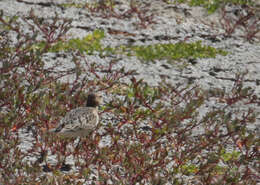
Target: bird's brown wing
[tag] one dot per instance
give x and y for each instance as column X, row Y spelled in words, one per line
column 81, row 118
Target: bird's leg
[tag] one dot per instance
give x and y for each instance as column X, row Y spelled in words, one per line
column 64, row 166
column 64, row 145
column 77, row 146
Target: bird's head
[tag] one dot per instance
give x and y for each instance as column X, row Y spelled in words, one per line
column 94, row 100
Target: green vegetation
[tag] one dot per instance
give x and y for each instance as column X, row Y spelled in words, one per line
column 88, row 45
column 76, row 5
column 176, row 51
column 213, row 5
column 92, row 44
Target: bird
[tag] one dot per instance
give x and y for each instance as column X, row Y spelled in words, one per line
column 81, row 121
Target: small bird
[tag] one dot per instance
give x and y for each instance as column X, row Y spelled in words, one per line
column 82, row 121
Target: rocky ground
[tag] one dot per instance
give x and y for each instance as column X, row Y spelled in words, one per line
column 170, row 23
